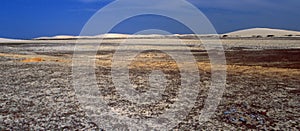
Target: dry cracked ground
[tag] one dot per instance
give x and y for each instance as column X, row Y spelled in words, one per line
column 262, row 88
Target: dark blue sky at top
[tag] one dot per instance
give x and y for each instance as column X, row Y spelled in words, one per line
column 34, row 18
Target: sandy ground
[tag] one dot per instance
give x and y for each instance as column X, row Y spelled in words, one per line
column 262, row 89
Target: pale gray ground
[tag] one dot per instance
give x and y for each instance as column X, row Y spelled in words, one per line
column 40, row 96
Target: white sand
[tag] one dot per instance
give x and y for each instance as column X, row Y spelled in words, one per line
column 57, row 37
column 112, row 35
column 4, row 40
column 64, row 37
column 91, row 37
column 264, row 32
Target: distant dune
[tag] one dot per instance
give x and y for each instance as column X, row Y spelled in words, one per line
column 113, row 36
column 263, row 32
column 4, row 40
column 57, row 37
column 110, row 35
column 254, row 32
column 124, row 36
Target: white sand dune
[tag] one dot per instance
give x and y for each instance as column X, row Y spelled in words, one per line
column 90, row 37
column 4, row 40
column 263, row 32
column 112, row 35
column 57, row 37
column 254, row 32
column 115, row 35
column 64, row 37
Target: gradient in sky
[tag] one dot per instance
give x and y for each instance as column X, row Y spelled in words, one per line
column 28, row 19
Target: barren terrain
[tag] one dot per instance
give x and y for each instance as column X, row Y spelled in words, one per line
column 262, row 89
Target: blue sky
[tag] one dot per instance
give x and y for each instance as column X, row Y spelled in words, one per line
column 34, row 18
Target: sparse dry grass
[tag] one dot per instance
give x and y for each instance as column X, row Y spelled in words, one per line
column 153, row 61
column 36, row 59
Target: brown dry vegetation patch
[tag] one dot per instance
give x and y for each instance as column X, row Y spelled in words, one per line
column 231, row 69
column 155, row 60
column 155, row 65
column 36, row 59
column 254, row 70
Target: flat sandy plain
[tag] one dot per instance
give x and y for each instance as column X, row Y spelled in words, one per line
column 262, row 89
